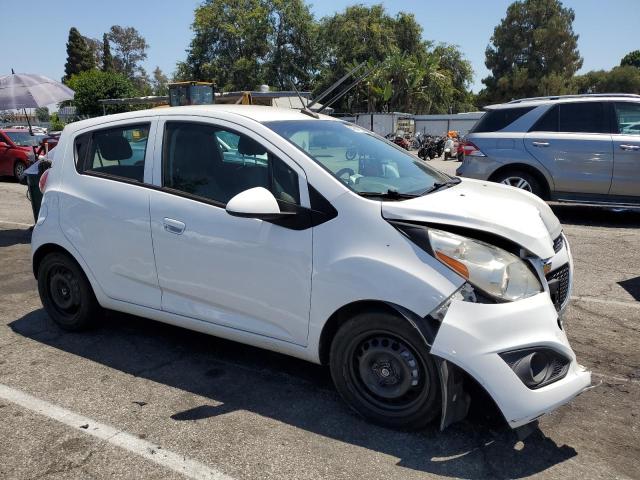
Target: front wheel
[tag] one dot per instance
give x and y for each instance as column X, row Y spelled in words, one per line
column 66, row 293
column 18, row 170
column 383, row 370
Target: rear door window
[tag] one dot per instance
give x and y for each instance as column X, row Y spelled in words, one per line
column 583, row 117
column 578, row 117
column 495, row 120
column 116, row 152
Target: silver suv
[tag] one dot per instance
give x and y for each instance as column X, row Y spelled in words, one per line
column 576, row 148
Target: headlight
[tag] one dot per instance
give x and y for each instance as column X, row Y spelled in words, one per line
column 491, row 269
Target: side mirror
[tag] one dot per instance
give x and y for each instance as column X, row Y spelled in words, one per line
column 256, row 202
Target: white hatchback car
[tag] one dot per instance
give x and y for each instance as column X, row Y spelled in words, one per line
column 250, row 223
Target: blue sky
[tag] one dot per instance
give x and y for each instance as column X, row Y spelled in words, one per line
column 35, row 42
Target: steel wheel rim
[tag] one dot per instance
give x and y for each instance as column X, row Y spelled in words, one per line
column 387, row 372
column 517, row 182
column 64, row 290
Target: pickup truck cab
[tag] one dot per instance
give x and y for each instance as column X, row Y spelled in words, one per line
column 242, row 222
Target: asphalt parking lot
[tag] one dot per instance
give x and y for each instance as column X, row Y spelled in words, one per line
column 181, row 401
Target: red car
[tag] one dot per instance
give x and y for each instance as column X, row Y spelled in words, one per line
column 16, row 151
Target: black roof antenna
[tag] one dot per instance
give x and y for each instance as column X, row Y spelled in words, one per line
column 320, row 97
column 337, row 97
column 305, row 108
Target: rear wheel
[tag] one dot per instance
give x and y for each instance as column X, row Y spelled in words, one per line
column 66, row 293
column 384, row 371
column 520, row 179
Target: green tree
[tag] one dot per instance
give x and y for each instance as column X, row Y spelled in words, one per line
column 93, row 85
column 230, row 44
column 457, row 68
column 107, row 58
column 130, row 50
column 411, row 75
column 79, row 56
column 631, row 59
column 95, row 47
column 293, row 54
column 625, row 79
column 160, row 82
column 535, row 40
column 42, row 114
column 55, row 124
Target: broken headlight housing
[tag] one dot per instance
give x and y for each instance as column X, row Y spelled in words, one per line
column 491, row 269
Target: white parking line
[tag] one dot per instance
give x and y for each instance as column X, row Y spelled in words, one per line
column 150, row 451
column 17, row 223
column 620, row 303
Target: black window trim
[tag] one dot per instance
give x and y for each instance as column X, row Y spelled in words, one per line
column 81, row 166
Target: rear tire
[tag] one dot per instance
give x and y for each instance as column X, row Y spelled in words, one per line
column 520, row 179
column 66, row 293
column 383, row 370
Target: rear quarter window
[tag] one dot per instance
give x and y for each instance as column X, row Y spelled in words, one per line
column 495, row 120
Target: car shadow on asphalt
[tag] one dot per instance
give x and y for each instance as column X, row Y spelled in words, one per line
column 239, row 377
column 597, row 216
column 632, row 286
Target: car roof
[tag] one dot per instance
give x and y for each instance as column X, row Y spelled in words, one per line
column 538, row 101
column 257, row 113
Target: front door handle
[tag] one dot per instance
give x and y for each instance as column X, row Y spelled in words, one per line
column 173, row 226
column 630, row 147
column 540, row 144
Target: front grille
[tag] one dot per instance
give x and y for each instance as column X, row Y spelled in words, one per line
column 558, row 243
column 558, row 281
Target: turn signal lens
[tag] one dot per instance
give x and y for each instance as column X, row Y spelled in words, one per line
column 454, row 264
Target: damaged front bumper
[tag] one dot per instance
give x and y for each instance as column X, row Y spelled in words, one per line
column 488, row 340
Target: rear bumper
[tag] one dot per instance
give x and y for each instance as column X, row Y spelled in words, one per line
column 472, row 336
column 480, row 168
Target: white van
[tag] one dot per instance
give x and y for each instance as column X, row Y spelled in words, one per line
column 250, row 223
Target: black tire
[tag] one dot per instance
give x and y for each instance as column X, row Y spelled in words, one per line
column 18, row 170
column 510, row 177
column 66, row 293
column 383, row 370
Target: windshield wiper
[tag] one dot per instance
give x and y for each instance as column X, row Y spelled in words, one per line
column 389, row 194
column 440, row 185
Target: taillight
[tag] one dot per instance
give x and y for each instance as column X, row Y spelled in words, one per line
column 42, row 184
column 471, row 150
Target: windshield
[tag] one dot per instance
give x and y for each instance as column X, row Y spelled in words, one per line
column 363, row 161
column 24, row 139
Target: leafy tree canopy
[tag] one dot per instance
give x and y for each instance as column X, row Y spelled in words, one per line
column 93, row 85
column 79, row 56
column 533, row 48
column 631, row 59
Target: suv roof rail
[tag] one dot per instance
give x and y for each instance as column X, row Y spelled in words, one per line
column 584, row 95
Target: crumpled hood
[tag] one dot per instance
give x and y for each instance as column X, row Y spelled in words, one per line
column 490, row 207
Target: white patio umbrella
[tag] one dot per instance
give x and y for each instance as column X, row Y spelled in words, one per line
column 26, row 90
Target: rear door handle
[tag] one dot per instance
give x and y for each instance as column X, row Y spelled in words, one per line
column 630, row 147
column 540, row 144
column 173, row 226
